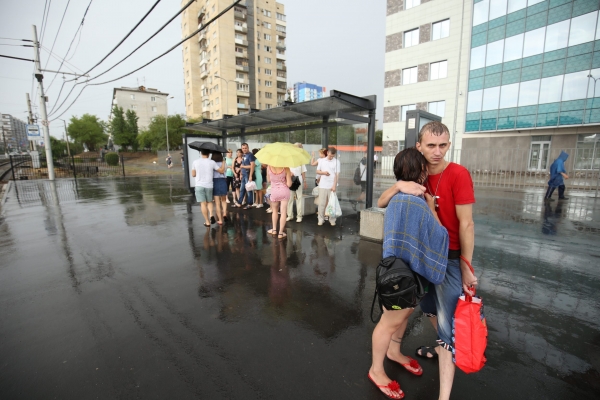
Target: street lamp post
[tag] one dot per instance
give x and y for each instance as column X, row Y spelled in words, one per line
column 166, row 119
column 226, row 92
column 590, row 76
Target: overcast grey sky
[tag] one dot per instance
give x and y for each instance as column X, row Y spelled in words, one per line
column 333, row 43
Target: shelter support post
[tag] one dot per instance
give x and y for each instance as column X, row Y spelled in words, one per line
column 224, row 140
column 325, row 133
column 370, row 157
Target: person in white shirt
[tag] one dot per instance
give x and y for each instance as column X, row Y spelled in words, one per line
column 301, row 173
column 329, row 170
column 202, row 170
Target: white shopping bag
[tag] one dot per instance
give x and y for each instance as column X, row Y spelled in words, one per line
column 333, row 208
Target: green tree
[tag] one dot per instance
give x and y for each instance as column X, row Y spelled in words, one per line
column 118, row 126
column 131, row 129
column 88, row 130
column 379, row 137
column 59, row 147
column 155, row 137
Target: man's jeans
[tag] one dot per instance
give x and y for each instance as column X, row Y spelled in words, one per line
column 243, row 191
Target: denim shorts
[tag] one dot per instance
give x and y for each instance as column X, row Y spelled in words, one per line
column 441, row 301
column 219, row 187
column 203, row 195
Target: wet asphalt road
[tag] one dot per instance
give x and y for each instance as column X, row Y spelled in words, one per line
column 113, row 289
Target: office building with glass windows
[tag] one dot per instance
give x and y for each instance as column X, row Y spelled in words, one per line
column 530, row 73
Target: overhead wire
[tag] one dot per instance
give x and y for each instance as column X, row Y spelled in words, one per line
column 21, row 40
column 58, row 58
column 44, row 25
column 58, row 31
column 204, row 26
column 79, row 29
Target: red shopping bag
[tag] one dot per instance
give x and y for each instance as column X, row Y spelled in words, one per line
column 469, row 332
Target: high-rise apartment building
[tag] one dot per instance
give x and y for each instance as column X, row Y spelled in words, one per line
column 146, row 102
column 237, row 63
column 303, row 91
column 510, row 74
column 14, row 134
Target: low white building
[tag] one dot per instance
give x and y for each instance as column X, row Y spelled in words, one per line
column 146, row 102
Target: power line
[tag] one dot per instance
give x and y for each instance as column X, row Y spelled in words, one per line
column 17, row 58
column 147, row 40
column 126, row 36
column 57, row 57
column 58, row 32
column 21, row 40
column 44, row 25
column 148, row 63
column 16, row 45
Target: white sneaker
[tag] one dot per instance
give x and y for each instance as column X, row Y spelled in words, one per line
column 259, row 206
column 332, row 223
column 289, row 218
column 320, row 223
column 299, row 219
column 269, row 210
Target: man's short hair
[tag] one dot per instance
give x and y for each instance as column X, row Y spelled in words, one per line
column 331, row 150
column 435, row 128
column 245, row 144
column 204, row 152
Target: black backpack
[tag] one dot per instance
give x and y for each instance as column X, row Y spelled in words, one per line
column 397, row 286
column 357, row 175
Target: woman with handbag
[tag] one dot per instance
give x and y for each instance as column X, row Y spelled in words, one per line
column 237, row 176
column 414, row 235
column 281, row 180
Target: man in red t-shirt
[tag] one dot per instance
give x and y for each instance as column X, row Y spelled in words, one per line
column 450, row 187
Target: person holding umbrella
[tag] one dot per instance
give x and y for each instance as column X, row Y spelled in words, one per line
column 280, row 157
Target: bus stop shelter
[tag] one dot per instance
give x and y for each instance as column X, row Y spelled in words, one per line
column 324, row 122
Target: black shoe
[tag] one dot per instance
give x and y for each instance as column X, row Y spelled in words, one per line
column 212, row 220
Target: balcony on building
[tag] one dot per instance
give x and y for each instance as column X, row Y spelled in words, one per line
column 281, row 66
column 242, row 106
column 280, row 56
column 281, row 78
column 281, row 89
column 241, row 93
column 280, row 46
column 203, row 60
column 242, row 29
column 204, row 74
column 203, row 45
column 243, row 53
column 205, row 114
column 239, row 15
column 203, row 35
column 281, row 33
column 201, row 14
column 241, row 42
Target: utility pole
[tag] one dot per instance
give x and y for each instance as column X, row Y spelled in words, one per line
column 45, row 122
column 67, row 138
column 30, row 121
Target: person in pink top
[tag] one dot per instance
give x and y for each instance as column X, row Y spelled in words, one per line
column 281, row 180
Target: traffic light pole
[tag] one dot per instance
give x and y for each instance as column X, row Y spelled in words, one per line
column 43, row 112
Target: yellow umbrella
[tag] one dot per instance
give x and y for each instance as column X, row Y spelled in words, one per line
column 283, row 155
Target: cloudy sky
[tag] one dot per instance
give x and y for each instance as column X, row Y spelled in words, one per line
column 334, row 43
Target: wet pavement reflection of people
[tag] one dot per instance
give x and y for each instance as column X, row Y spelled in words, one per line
column 551, row 217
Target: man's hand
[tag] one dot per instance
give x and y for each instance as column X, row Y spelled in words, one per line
column 469, row 280
column 305, row 185
column 333, row 189
column 430, row 201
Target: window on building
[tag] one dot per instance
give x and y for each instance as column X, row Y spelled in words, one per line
column 513, row 47
column 217, row 101
column 188, row 84
column 133, row 106
column 587, row 155
column 267, row 25
column 494, row 53
column 440, row 29
column 497, row 8
column 153, row 108
column 491, row 98
column 280, row 28
column 557, row 36
column 550, row 89
column 437, row 107
column 281, row 17
column 529, row 93
column 267, row 60
column 409, row 75
column 152, row 98
column 406, row 108
column 411, row 38
column 240, row 37
column 216, row 87
column 477, row 57
column 480, row 12
column 411, row 3
column 242, row 87
column 268, row 71
column 474, row 100
column 268, row 48
column 267, row 37
column 438, row 70
column 268, row 83
column 534, row 42
column 575, row 86
column 583, row 29
column 516, row 5
column 268, row 95
column 269, row 105
column 509, row 94
column 259, row 82
column 132, row 96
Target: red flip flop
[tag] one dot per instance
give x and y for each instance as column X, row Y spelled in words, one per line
column 413, row 367
column 393, row 387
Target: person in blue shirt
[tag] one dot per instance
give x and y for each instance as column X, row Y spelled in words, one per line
column 247, row 172
column 558, row 172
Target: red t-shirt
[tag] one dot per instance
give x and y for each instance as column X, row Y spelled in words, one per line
column 455, row 187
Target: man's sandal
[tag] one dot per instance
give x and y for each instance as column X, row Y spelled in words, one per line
column 427, row 352
column 395, row 392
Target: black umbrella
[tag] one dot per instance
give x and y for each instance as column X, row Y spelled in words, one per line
column 210, row 146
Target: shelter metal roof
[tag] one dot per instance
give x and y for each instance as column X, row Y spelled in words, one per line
column 290, row 114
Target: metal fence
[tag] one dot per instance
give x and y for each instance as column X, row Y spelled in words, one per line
column 27, row 167
column 517, row 169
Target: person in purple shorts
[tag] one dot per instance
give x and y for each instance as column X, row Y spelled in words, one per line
column 281, row 180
